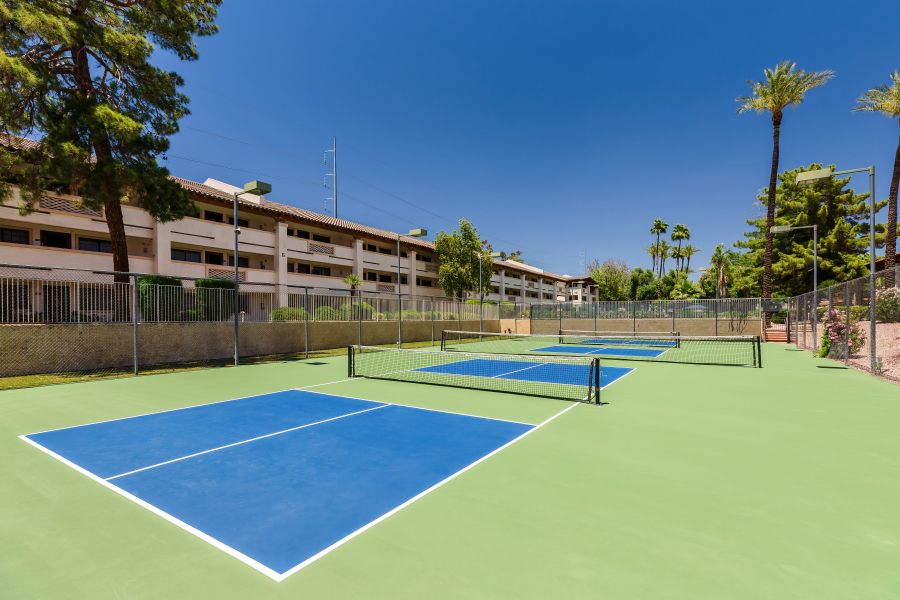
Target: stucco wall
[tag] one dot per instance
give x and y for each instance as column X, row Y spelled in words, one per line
column 30, row 349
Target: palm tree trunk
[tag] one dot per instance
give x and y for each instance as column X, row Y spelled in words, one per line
column 770, row 209
column 890, row 244
column 658, row 288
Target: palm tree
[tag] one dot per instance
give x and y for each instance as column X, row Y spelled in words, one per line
column 659, row 227
column 719, row 264
column 651, row 250
column 680, row 233
column 885, row 99
column 783, row 87
column 353, row 280
column 687, row 252
column 676, row 254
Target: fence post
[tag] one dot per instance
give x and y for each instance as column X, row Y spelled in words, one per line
column 458, row 315
column 673, row 315
column 359, row 316
column 847, row 324
column 432, row 322
column 306, row 322
column 716, row 313
column 134, row 322
column 559, row 307
column 634, row 316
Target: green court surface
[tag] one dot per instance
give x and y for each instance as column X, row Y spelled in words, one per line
column 690, row 482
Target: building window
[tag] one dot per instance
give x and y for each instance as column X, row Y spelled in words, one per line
column 402, row 281
column 52, row 239
column 404, row 255
column 321, row 238
column 14, row 236
column 384, row 279
column 243, row 262
column 215, row 258
column 384, row 250
column 185, row 255
column 326, row 271
column 371, row 247
column 423, row 282
column 371, row 276
column 301, row 268
column 423, row 258
column 291, row 232
column 290, row 267
column 213, row 216
column 241, row 222
column 302, row 234
column 95, row 245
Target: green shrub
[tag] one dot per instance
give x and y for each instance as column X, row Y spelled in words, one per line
column 160, row 298
column 411, row 315
column 288, row 313
column 215, row 303
column 451, row 316
column 428, row 315
column 328, row 313
column 189, row 315
column 887, row 305
column 507, row 310
column 473, row 301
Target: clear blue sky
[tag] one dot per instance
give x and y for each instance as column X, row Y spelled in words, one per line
column 557, row 126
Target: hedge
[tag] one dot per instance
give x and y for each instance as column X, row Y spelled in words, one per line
column 161, row 298
column 214, row 304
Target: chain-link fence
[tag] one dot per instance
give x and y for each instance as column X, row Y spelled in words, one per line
column 838, row 323
column 69, row 324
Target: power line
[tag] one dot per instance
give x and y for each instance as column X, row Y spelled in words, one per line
column 292, row 180
column 512, row 244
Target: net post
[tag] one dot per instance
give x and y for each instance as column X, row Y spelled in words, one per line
column 597, row 381
column 306, row 321
column 759, row 351
column 349, row 361
column 134, row 321
column 443, row 339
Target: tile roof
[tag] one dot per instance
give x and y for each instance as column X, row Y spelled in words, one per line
column 210, row 192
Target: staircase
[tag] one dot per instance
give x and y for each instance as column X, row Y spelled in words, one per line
column 778, row 336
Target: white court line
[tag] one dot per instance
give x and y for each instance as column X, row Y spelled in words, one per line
column 312, row 559
column 211, row 540
column 517, row 370
column 159, row 412
column 246, row 441
column 630, row 371
column 243, row 557
column 449, row 412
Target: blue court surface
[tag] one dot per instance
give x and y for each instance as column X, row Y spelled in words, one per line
column 556, row 373
column 612, row 352
column 631, row 342
column 280, row 479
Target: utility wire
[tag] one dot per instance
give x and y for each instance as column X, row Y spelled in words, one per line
column 292, row 180
column 373, row 186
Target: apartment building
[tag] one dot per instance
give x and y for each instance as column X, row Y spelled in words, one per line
column 278, row 244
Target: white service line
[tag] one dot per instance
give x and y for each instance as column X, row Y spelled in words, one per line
column 517, row 370
column 245, row 441
column 312, row 559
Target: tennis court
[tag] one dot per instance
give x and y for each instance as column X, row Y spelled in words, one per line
column 291, row 479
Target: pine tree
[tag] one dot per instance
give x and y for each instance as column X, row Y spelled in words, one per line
column 80, row 74
column 843, row 230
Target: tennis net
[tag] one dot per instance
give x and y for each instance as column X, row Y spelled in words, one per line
column 743, row 351
column 562, row 377
column 636, row 334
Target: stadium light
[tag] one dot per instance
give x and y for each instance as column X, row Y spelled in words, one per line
column 810, row 177
column 412, row 273
column 257, row 188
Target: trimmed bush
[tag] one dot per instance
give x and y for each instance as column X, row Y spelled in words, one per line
column 214, row 302
column 429, row 315
column 507, row 310
column 412, row 315
column 288, row 313
column 160, row 298
column 327, row 313
column 451, row 316
column 189, row 315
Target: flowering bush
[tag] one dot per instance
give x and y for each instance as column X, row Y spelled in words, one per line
column 887, row 305
column 836, row 334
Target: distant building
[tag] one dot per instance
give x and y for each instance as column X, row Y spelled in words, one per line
column 278, row 244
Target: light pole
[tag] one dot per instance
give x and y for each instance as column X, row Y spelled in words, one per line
column 257, row 188
column 810, row 177
column 412, row 273
column 492, row 255
column 815, row 228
